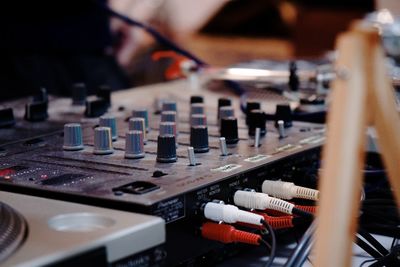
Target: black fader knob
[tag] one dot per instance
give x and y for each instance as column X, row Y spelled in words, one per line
column 166, row 149
column 251, row 105
column 283, row 113
column 257, row 119
column 229, row 130
column 199, row 139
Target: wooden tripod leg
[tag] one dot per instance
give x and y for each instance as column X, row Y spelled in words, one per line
column 343, row 155
column 386, row 119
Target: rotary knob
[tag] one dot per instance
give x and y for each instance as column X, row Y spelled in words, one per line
column 36, row 111
column 223, row 102
column 283, row 112
column 257, row 119
column 73, row 137
column 111, row 122
column 199, row 139
column 95, row 107
column 166, row 149
column 251, row 105
column 168, row 116
column 78, row 91
column 198, row 120
column 142, row 113
column 196, row 99
column 138, row 124
column 169, row 106
column 102, row 141
column 229, row 130
column 134, row 145
column 197, row 108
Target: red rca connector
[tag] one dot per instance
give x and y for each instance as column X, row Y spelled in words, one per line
column 281, row 222
column 310, row 209
column 228, row 234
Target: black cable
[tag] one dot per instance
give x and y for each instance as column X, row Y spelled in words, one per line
column 366, row 261
column 273, row 243
column 378, row 246
column 367, row 248
column 153, row 32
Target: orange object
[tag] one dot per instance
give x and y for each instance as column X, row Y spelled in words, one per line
column 310, row 209
column 228, row 234
column 174, row 70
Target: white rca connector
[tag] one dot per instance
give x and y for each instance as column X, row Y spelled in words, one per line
column 230, row 214
column 286, row 190
column 261, row 201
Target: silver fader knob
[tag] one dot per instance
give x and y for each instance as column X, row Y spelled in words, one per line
column 142, row 113
column 134, row 148
column 73, row 137
column 138, row 124
column 111, row 122
column 102, row 141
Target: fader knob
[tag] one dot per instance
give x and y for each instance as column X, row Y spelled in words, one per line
column 257, row 119
column 109, row 121
column 283, row 112
column 229, row 130
column 79, row 93
column 166, row 149
column 251, row 105
column 134, row 146
column 102, row 141
column 73, row 137
column 196, row 99
column 142, row 113
column 199, row 139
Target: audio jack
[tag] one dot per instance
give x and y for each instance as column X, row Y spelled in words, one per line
column 261, row 201
column 287, row 190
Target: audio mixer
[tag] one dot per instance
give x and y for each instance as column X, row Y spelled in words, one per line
column 162, row 150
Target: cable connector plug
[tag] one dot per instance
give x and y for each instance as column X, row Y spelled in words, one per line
column 228, row 234
column 287, row 190
column 230, row 214
column 261, row 201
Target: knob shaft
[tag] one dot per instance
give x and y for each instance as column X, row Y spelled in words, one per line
column 257, row 119
column 229, row 130
column 111, row 122
column 73, row 137
column 166, row 149
column 102, row 141
column 134, row 145
column 199, row 139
